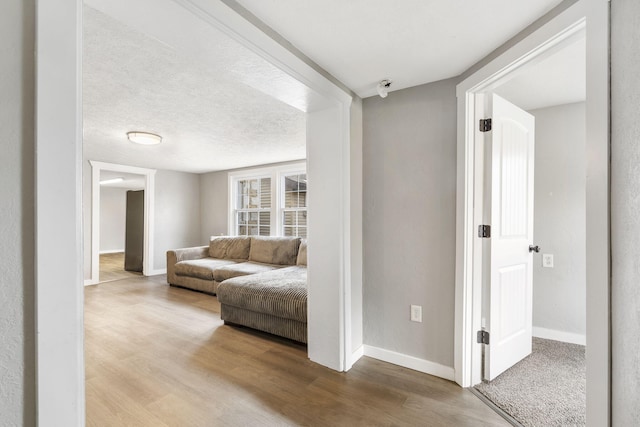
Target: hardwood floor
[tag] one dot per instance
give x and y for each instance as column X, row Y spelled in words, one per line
column 160, row 356
column 112, row 268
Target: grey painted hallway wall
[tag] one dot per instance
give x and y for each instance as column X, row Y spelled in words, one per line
column 625, row 212
column 17, row 226
column 560, row 293
column 409, row 190
column 177, row 213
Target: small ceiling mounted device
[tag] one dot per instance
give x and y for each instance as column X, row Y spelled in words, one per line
column 144, row 138
column 383, row 88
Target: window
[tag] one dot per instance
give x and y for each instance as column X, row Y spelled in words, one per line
column 268, row 201
column 253, row 207
column 294, row 206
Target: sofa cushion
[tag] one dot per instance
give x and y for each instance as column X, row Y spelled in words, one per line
column 202, row 268
column 227, row 247
column 302, row 253
column 281, row 293
column 241, row 269
column 274, row 250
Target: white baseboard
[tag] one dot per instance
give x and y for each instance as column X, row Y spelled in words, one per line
column 552, row 334
column 410, row 362
column 89, row 282
column 112, row 251
column 356, row 355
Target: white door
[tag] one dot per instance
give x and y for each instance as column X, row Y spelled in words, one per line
column 511, row 193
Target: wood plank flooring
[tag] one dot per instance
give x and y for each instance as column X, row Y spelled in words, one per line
column 160, row 356
column 112, row 268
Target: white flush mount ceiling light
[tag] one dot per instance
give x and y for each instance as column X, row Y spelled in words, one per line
column 144, row 138
column 383, row 88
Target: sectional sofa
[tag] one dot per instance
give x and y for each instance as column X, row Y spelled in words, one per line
column 260, row 282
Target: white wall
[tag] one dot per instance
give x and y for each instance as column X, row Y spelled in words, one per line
column 409, row 195
column 625, row 209
column 59, row 291
column 328, row 236
column 17, row 349
column 113, row 215
column 86, row 218
column 177, row 214
column 559, row 293
column 356, row 226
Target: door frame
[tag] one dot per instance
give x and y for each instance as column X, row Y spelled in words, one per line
column 149, row 206
column 593, row 16
column 333, row 284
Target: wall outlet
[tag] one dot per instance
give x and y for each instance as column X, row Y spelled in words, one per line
column 547, row 260
column 416, row 313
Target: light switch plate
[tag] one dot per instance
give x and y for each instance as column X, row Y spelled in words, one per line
column 547, row 260
column 416, row 313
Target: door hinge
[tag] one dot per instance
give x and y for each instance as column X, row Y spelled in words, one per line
column 485, row 125
column 484, row 231
column 483, row 337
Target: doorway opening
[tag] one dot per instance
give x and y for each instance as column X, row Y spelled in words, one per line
column 551, row 371
column 534, row 48
column 109, row 184
column 331, row 160
column 121, row 226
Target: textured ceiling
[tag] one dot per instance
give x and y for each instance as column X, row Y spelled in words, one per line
column 558, row 79
column 210, row 119
column 412, row 42
column 219, row 106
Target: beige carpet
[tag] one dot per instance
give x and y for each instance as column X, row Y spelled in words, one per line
column 547, row 388
column 112, row 268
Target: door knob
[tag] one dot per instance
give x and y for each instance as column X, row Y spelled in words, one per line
column 535, row 249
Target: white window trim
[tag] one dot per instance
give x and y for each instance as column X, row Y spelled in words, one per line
column 233, row 178
column 277, row 174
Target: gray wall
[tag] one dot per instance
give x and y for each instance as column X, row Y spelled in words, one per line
column 409, row 177
column 113, row 211
column 17, row 349
column 625, row 211
column 559, row 293
column 214, row 198
column 177, row 214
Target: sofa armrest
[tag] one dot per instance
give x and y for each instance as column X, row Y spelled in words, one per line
column 176, row 255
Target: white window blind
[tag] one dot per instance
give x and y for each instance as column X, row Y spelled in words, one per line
column 253, row 207
column 294, row 206
column 270, row 201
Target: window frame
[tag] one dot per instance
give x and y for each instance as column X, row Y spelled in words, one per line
column 277, row 175
column 238, row 210
column 282, row 202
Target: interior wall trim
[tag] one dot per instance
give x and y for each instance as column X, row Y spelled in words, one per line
column 406, row 361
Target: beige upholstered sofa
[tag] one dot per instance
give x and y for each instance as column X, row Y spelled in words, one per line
column 261, row 282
